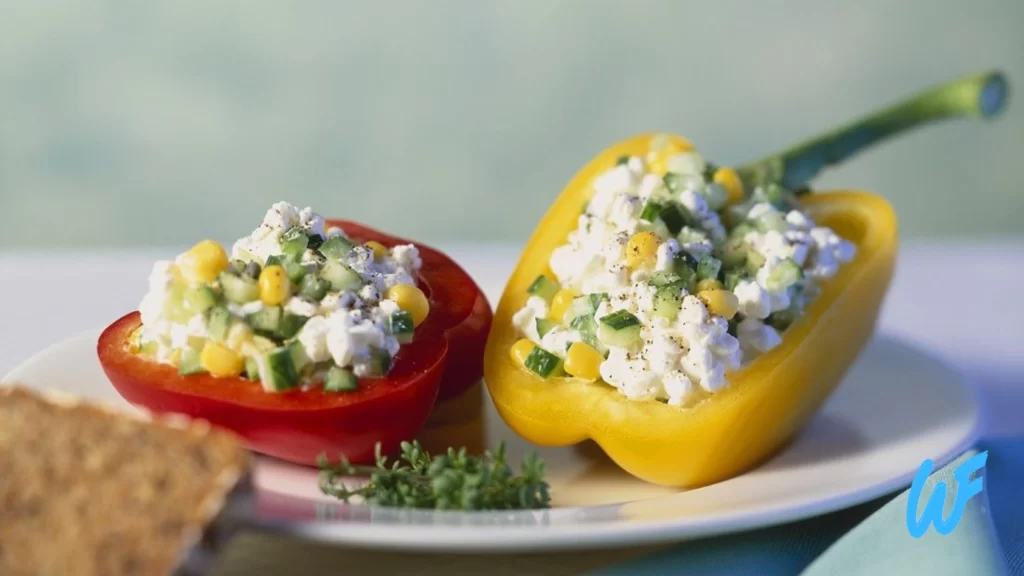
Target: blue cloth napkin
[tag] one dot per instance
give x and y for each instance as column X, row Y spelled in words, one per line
column 873, row 538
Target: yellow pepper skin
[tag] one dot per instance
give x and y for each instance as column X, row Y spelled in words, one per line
column 767, row 402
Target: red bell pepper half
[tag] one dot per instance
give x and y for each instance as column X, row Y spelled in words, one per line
column 444, row 360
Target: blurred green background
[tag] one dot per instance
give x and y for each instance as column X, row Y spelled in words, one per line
column 126, row 122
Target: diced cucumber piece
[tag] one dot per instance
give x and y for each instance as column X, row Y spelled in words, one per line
column 277, row 370
column 252, row 368
column 708, row 267
column 664, row 278
column 266, row 320
column 263, row 344
column 299, row 358
column 651, row 211
column 754, row 261
column 784, row 275
column 543, row 287
column 674, row 182
column 201, row 298
column 667, row 301
column 675, row 217
column 620, row 320
column 189, row 362
column 657, row 227
column 733, row 253
column 380, row 361
column 402, row 326
column 313, row 287
column 543, row 363
column 624, row 159
column 294, row 242
column 740, row 231
column 782, row 319
column 544, row 326
column 596, row 298
column 218, row 322
column 238, row 289
column 732, row 278
column 580, row 306
column 587, row 327
column 683, row 259
column 290, row 325
column 336, row 247
column 584, row 324
column 340, row 276
column 296, row 271
column 340, row 380
column 621, row 329
column 685, row 267
column 772, row 221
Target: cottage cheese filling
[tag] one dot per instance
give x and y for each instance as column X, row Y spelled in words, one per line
column 333, row 305
column 696, row 286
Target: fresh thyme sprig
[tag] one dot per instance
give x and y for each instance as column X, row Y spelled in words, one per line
column 451, row 481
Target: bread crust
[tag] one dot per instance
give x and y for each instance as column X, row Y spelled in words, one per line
column 87, row 489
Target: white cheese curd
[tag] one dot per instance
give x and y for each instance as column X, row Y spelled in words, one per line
column 526, row 318
column 313, row 337
column 152, row 308
column 756, row 337
column 684, row 352
column 350, row 328
column 559, row 339
column 243, row 310
column 265, row 241
column 301, row 307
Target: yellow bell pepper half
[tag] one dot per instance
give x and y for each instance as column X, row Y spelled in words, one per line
column 767, row 401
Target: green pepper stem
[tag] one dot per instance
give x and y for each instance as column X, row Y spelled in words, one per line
column 978, row 96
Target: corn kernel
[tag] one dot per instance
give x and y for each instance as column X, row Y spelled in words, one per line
column 521, row 350
column 219, row 360
column 720, row 302
column 560, row 304
column 583, row 361
column 379, row 251
column 663, row 149
column 238, row 336
column 412, row 300
column 730, row 181
column 642, row 249
column 708, row 284
column 204, row 261
column 275, row 287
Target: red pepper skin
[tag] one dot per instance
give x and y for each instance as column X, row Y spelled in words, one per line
column 297, row 426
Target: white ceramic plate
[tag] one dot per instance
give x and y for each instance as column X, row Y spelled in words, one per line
column 897, row 407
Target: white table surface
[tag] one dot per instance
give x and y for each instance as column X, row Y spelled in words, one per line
column 961, row 301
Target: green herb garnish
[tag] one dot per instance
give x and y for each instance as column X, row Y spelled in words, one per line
column 451, row 481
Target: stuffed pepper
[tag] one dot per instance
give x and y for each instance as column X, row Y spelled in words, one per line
column 308, row 337
column 691, row 318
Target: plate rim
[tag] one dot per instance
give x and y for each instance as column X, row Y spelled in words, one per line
column 617, row 534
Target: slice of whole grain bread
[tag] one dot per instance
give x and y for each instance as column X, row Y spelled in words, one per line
column 87, row 490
